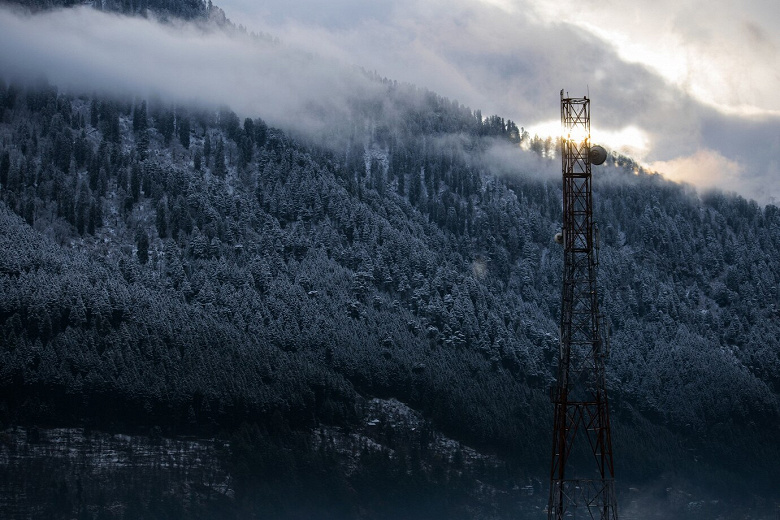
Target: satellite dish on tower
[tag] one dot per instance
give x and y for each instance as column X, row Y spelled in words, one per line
column 597, row 155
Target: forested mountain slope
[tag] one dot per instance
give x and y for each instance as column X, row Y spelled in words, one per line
column 165, row 265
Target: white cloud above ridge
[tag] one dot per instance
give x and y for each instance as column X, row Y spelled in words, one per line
column 502, row 56
column 669, row 83
column 88, row 50
column 706, row 169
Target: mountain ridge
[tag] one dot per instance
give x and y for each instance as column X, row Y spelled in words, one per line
column 201, row 272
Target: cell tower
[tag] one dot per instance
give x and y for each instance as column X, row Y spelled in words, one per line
column 582, row 472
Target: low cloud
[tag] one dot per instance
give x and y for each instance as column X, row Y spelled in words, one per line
column 89, row 50
column 706, row 168
column 674, row 80
column 507, row 159
column 505, row 57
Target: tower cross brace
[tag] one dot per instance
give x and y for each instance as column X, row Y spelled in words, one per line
column 582, row 471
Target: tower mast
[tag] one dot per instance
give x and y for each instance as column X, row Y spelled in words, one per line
column 582, row 472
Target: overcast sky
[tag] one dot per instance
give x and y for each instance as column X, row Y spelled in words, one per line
column 686, row 87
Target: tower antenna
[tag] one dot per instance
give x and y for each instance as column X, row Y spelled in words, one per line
column 582, row 474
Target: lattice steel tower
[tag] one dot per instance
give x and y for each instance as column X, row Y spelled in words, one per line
column 582, row 472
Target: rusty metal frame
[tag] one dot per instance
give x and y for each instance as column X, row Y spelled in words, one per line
column 580, row 488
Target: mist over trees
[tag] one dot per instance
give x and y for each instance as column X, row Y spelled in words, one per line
column 172, row 266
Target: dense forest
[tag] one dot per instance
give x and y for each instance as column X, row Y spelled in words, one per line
column 180, row 270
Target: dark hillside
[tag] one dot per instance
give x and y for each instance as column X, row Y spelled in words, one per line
column 173, row 267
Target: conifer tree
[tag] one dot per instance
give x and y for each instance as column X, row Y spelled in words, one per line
column 5, row 167
column 140, row 119
column 207, row 148
column 219, row 159
column 93, row 112
column 162, row 219
column 95, row 217
column 197, row 159
column 135, row 182
column 142, row 245
column 184, row 131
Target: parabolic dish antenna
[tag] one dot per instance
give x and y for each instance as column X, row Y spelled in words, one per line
column 597, row 155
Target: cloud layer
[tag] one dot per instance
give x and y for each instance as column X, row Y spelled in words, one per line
column 666, row 87
column 668, row 82
column 90, row 50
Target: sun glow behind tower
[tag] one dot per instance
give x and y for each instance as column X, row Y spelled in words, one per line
column 629, row 140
